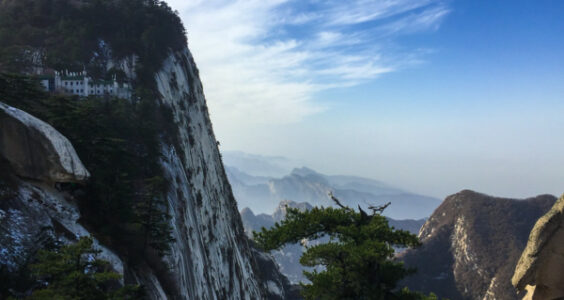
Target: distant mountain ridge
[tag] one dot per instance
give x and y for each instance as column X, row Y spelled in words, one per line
column 258, row 165
column 471, row 245
column 263, row 193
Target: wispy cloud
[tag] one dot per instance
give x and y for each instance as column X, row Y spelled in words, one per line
column 263, row 61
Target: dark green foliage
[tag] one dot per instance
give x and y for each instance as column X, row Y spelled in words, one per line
column 84, row 33
column 151, row 214
column 75, row 272
column 358, row 259
column 118, row 142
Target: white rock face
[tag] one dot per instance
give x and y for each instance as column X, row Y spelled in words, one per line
column 211, row 257
column 36, row 150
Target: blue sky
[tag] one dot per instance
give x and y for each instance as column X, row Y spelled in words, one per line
column 433, row 96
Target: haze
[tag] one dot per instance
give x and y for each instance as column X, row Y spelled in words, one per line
column 432, row 96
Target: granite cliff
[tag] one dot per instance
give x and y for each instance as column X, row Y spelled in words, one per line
column 210, row 257
column 42, row 175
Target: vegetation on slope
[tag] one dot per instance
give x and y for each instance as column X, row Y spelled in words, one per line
column 118, row 142
column 74, row 272
column 74, row 35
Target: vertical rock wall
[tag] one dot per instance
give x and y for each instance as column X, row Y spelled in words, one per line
column 211, row 257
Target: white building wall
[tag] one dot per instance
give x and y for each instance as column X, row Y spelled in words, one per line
column 86, row 86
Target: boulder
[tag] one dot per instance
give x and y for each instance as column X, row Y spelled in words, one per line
column 35, row 150
column 540, row 270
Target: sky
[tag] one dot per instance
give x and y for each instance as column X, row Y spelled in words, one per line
column 433, row 96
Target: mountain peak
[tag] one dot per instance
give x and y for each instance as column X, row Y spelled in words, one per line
column 304, row 171
column 471, row 244
column 247, row 212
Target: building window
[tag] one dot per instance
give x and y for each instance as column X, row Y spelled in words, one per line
column 72, row 83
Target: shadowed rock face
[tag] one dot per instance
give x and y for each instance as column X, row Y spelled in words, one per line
column 541, row 267
column 35, row 150
column 32, row 212
column 471, row 245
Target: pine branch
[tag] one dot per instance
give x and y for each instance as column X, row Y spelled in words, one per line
column 379, row 209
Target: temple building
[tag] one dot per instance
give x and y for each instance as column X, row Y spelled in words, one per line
column 79, row 83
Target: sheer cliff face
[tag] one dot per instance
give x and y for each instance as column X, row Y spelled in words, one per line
column 210, row 258
column 471, row 245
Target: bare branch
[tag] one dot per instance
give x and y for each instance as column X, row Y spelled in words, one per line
column 337, row 201
column 379, row 209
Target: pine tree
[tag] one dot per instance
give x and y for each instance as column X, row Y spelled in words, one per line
column 152, row 215
column 357, row 259
column 75, row 272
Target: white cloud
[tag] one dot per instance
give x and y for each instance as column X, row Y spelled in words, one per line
column 263, row 61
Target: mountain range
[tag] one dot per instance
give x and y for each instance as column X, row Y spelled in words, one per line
column 263, row 193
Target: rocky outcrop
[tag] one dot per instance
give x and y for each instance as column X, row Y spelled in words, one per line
column 471, row 244
column 35, row 150
column 33, row 213
column 540, row 270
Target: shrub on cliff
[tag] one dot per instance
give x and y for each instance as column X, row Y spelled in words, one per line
column 75, row 272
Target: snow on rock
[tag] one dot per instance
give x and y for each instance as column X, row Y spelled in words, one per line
column 36, row 150
column 32, row 212
column 35, row 214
